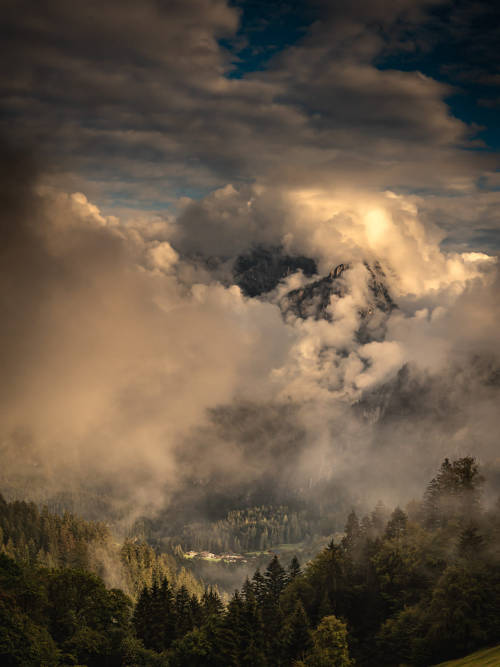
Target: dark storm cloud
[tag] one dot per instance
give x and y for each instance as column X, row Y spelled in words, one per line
column 475, row 29
column 104, row 79
column 134, row 100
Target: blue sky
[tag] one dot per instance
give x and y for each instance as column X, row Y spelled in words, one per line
column 265, row 29
column 459, row 57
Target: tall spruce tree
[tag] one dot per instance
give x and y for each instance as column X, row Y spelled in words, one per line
column 397, row 525
column 352, row 537
column 455, row 492
column 211, row 604
column 272, row 615
column 296, row 636
column 183, row 616
column 294, row 569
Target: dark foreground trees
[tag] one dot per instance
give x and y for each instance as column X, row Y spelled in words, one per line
column 62, row 617
column 414, row 587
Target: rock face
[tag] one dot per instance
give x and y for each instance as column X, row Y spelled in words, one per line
column 260, row 270
column 313, row 300
column 380, row 297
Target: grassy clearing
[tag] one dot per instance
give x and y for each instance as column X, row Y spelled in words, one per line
column 489, row 657
column 290, row 547
column 279, row 548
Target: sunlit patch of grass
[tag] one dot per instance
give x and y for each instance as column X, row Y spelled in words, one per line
column 489, row 657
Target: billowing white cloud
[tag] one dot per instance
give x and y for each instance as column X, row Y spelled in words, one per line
column 115, row 361
column 125, row 332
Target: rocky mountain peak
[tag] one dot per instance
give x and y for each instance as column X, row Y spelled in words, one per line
column 338, row 271
column 260, row 270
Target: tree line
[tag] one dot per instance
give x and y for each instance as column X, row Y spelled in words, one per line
column 252, row 529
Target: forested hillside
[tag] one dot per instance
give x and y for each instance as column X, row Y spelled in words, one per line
column 252, row 529
column 34, row 537
column 40, row 537
column 415, row 587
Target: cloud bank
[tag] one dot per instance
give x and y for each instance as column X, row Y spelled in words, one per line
column 132, row 365
column 136, row 103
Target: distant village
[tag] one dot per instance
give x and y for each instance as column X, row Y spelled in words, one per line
column 208, row 555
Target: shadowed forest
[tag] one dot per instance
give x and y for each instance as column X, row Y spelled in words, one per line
column 412, row 586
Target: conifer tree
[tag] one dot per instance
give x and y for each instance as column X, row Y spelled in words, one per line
column 352, row 536
column 275, row 579
column 184, row 620
column 294, row 569
column 141, row 616
column 325, row 606
column 195, row 610
column 211, row 604
column 272, row 616
column 251, row 645
column 259, row 587
column 470, row 542
column 454, row 492
column 155, row 620
column 397, row 525
column 296, row 637
column 230, row 638
column 167, row 611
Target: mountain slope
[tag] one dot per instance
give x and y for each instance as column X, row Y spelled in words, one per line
column 260, row 270
column 489, row 657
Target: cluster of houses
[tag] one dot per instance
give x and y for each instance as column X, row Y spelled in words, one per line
column 208, row 555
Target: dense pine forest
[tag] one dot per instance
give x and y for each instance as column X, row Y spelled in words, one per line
column 412, row 586
column 249, row 530
column 252, row 529
column 34, row 538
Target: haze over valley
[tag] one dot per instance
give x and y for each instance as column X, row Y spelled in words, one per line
column 250, row 288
